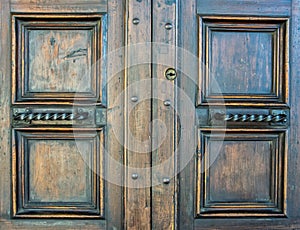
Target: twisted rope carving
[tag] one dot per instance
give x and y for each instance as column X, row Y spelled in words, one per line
column 50, row 116
column 251, row 117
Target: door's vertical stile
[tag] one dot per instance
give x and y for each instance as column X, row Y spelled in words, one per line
column 294, row 158
column 5, row 154
column 164, row 114
column 188, row 65
column 138, row 115
column 115, row 84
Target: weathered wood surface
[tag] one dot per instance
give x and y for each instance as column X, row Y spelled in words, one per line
column 220, row 173
column 60, row 56
column 247, row 8
column 164, row 116
column 71, row 179
column 138, row 116
column 59, row 6
column 243, row 58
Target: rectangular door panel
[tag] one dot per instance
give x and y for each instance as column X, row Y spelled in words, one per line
column 241, row 173
column 58, row 57
column 57, row 174
column 243, row 59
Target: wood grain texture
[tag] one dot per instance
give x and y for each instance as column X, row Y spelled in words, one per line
column 59, row 6
column 294, row 158
column 247, row 74
column 6, row 156
column 249, row 8
column 68, row 176
column 57, row 176
column 244, row 59
column 223, row 9
column 246, row 224
column 142, row 208
column 242, row 174
column 164, row 117
column 5, row 132
column 234, row 176
column 188, row 64
column 138, row 116
column 114, row 146
column 57, row 57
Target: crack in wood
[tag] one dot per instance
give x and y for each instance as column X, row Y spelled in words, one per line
column 76, row 53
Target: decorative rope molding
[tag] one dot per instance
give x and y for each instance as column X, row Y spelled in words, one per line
column 251, row 117
column 27, row 116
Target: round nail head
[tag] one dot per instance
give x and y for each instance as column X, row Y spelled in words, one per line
column 167, row 102
column 136, row 21
column 134, row 176
column 134, row 99
column 168, row 26
column 166, row 180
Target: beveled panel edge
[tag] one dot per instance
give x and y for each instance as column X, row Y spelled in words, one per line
column 95, row 21
column 279, row 211
column 95, row 211
column 281, row 25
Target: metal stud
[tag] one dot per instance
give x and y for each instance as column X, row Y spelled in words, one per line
column 134, row 98
column 168, row 26
column 134, row 176
column 136, row 21
column 167, row 102
column 166, row 180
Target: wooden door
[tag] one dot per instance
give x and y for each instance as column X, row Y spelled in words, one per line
column 57, row 151
column 149, row 114
column 244, row 171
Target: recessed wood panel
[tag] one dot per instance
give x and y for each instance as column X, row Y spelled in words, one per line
column 243, row 174
column 243, row 60
column 55, row 58
column 59, row 61
column 57, row 174
column 69, row 178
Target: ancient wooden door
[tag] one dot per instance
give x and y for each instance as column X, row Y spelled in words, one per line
column 143, row 114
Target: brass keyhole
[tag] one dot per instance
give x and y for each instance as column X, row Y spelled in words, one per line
column 170, row 74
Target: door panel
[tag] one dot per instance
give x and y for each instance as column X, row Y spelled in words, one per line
column 56, row 57
column 73, row 187
column 245, row 57
column 246, row 178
